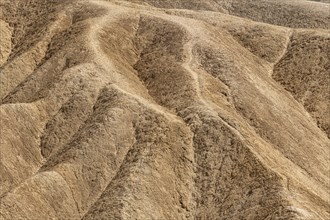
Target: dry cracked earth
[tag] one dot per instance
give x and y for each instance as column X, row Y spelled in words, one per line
column 164, row 109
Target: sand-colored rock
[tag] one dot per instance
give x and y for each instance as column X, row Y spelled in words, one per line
column 164, row 109
column 5, row 43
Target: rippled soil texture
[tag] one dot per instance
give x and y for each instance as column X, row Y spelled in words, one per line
column 164, row 109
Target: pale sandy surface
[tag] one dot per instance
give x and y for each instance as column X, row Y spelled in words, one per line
column 173, row 109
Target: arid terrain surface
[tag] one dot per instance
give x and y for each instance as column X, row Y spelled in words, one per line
column 164, row 109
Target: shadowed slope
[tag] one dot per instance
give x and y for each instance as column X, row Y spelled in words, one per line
column 304, row 71
column 122, row 111
column 292, row 13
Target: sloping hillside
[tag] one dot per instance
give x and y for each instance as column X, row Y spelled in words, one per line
column 176, row 109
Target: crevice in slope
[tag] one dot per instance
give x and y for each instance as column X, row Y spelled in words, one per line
column 158, row 152
column 98, row 130
column 94, row 132
column 20, row 143
column 90, row 213
column 5, row 43
column 158, row 68
column 37, row 85
column 20, row 67
column 216, row 63
column 285, row 50
column 63, row 117
column 211, row 195
column 127, row 59
column 78, row 93
column 156, row 48
column 60, row 55
column 259, row 122
column 70, row 117
column 303, row 71
column 302, row 14
column 24, row 18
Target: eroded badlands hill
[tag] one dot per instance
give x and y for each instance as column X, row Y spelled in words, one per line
column 169, row 109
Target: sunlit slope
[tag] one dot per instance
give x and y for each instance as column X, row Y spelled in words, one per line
column 123, row 110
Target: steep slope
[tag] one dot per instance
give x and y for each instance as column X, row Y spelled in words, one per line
column 292, row 13
column 119, row 110
column 309, row 83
